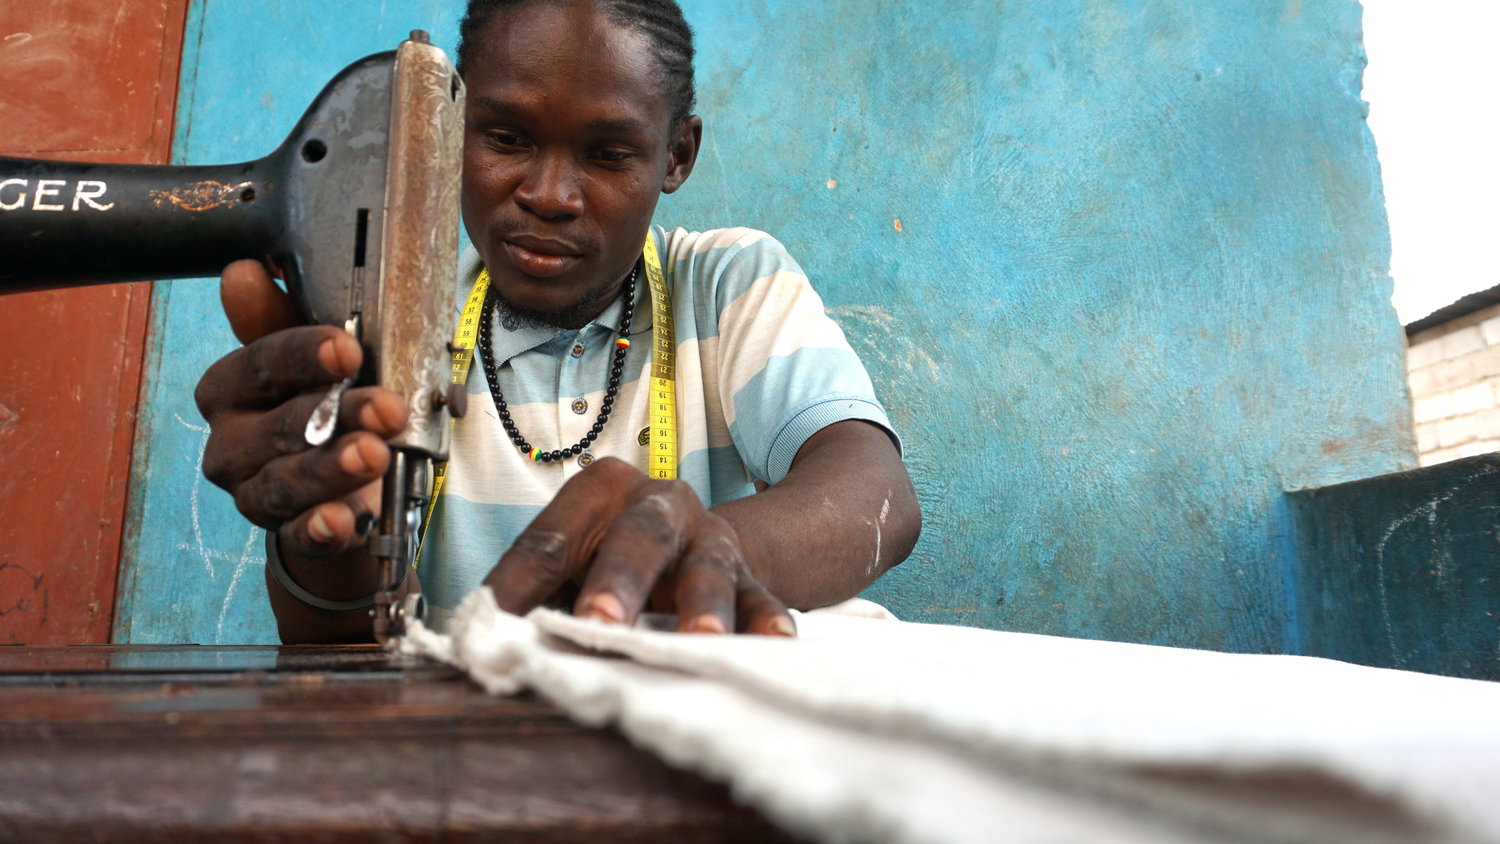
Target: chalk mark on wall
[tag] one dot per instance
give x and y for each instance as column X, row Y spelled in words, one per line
column 247, row 556
column 1428, row 510
column 206, row 555
column 871, row 331
column 210, row 556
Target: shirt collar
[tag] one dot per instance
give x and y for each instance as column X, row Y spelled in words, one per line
column 507, row 343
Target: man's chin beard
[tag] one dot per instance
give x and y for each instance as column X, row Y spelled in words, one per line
column 514, row 317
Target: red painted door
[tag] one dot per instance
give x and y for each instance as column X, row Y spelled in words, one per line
column 88, row 80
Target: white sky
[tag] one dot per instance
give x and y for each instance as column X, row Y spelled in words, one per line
column 1433, row 109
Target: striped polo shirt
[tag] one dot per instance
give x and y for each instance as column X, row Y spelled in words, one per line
column 760, row 368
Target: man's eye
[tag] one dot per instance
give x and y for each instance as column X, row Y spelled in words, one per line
column 612, row 156
column 505, row 139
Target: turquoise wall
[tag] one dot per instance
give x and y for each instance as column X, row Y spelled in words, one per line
column 1138, row 289
column 1119, row 270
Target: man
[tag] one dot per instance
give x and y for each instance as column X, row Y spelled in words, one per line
column 579, row 117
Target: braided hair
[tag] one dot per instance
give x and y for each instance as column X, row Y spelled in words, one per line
column 659, row 20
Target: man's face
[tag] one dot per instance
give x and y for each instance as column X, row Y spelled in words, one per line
column 567, row 146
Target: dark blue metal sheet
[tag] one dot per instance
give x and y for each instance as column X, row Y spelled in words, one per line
column 1403, row 571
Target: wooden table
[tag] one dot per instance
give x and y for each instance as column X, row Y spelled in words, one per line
column 319, row 743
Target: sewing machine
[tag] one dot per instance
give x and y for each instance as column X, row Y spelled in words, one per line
column 357, row 211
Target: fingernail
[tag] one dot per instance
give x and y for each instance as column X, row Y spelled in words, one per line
column 352, row 461
column 707, row 623
column 328, row 356
column 605, row 607
column 318, row 529
column 782, row 626
column 363, row 523
column 373, row 420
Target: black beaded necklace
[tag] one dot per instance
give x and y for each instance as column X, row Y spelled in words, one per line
column 491, row 374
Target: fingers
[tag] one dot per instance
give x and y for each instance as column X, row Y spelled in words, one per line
column 717, row 593
column 333, row 527
column 253, row 303
column 242, row 442
column 264, row 373
column 286, row 487
column 562, row 539
column 375, row 409
column 535, row 566
column 642, row 543
column 706, row 586
column 630, row 538
column 666, row 538
column 761, row 613
column 257, row 399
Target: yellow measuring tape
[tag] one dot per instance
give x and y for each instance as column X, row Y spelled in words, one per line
column 661, row 460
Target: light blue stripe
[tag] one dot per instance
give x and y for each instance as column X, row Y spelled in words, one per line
column 725, row 273
column 785, row 387
column 472, row 538
column 716, row 474
column 795, row 433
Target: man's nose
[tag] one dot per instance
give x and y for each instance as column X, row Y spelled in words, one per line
column 550, row 187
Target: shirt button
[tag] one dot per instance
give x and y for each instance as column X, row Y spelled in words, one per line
column 585, row 459
column 577, row 350
column 580, row 406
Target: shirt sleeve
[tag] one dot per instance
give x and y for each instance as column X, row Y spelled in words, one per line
column 786, row 370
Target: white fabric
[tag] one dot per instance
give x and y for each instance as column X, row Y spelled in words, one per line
column 870, row 729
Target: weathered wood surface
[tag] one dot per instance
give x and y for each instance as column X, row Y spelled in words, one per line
column 320, row 744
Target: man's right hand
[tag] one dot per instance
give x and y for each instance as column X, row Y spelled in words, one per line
column 257, row 400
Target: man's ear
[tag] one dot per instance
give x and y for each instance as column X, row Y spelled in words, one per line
column 683, row 153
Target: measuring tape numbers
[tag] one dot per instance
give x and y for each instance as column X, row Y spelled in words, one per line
column 465, row 337
column 661, row 461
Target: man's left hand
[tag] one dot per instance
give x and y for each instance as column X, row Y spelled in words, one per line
column 635, row 541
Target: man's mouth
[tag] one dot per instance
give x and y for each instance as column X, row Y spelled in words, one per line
column 541, row 257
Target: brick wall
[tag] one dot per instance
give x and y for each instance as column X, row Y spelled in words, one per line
column 1454, row 372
